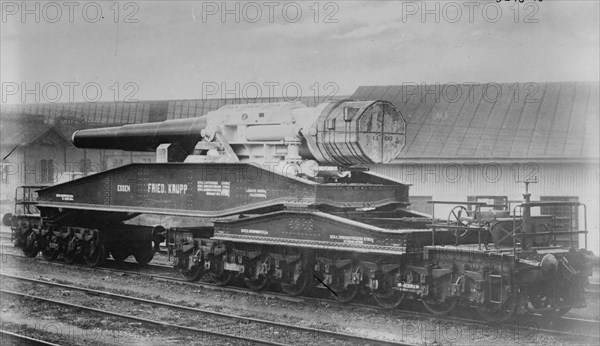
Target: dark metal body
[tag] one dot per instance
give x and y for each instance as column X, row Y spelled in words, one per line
column 352, row 231
column 214, row 190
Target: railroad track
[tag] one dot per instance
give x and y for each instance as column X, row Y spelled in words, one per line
column 280, row 333
column 533, row 324
column 9, row 338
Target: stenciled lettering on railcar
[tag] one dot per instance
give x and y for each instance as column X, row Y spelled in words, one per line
column 123, row 188
column 177, row 189
column 351, row 239
column 65, row 196
column 261, row 193
column 254, row 231
column 214, row 188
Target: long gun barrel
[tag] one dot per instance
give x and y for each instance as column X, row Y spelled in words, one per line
column 343, row 133
column 143, row 137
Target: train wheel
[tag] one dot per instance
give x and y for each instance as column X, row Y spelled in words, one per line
column 345, row 295
column 70, row 253
column 303, row 274
column 192, row 274
column 498, row 313
column 218, row 274
column 258, row 284
column 95, row 254
column 222, row 279
column 541, row 301
column 30, row 248
column 386, row 296
column 192, row 266
column 389, row 299
column 49, row 253
column 118, row 254
column 440, row 308
column 256, row 279
column 343, row 288
column 144, row 253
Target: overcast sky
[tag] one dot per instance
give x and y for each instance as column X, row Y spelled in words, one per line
column 185, row 50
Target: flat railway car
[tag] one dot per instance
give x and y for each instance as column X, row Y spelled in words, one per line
column 281, row 193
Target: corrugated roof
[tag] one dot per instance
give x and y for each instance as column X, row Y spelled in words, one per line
column 517, row 121
column 118, row 113
column 15, row 135
column 21, row 134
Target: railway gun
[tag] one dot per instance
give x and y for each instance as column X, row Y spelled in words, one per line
column 281, row 193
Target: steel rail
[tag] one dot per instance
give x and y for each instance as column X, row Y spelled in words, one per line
column 329, row 333
column 139, row 319
column 6, row 335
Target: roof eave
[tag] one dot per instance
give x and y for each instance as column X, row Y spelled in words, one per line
column 448, row 160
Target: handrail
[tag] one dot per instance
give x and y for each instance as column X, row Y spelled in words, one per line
column 457, row 203
column 548, row 233
column 551, row 204
column 441, row 225
column 552, row 233
column 517, row 212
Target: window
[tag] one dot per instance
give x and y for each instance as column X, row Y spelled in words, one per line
column 563, row 216
column 85, row 165
column 499, row 203
column 47, row 171
column 43, row 171
column 50, row 171
column 419, row 203
column 5, row 172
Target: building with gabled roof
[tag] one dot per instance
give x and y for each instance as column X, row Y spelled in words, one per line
column 465, row 141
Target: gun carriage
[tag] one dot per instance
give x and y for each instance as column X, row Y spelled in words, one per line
column 282, row 194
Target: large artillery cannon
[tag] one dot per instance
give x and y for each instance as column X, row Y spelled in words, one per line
column 344, row 133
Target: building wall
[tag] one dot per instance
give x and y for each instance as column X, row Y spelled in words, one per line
column 457, row 181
